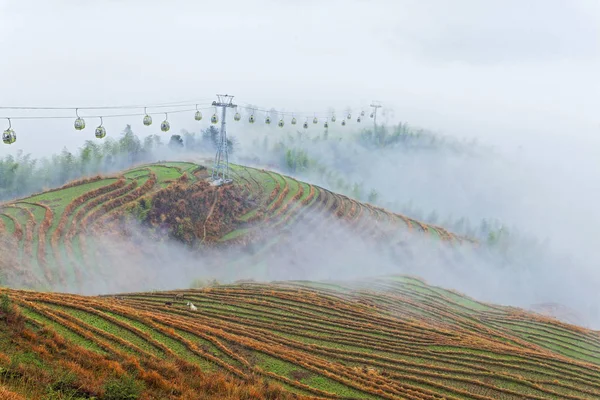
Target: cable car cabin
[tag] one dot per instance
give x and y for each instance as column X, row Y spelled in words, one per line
column 294, row 121
column 362, row 113
column 147, row 120
column 333, row 118
column 198, row 116
column 343, row 123
column 305, row 125
column 372, row 115
column 251, row 119
column 9, row 136
column 214, row 119
column 349, row 116
column 315, row 120
column 237, row 116
column 268, row 120
column 280, row 123
column 326, row 125
column 79, row 124
column 165, row 126
column 358, row 120
column 100, row 132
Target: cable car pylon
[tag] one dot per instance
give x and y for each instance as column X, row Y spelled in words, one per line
column 375, row 105
column 220, row 172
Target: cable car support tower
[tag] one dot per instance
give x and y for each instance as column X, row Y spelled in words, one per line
column 375, row 105
column 220, row 172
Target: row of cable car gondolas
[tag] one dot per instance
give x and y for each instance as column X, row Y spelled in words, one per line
column 9, row 136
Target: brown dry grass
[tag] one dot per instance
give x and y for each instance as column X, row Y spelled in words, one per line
column 6, row 394
column 90, row 371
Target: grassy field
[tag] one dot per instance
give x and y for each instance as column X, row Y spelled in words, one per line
column 389, row 338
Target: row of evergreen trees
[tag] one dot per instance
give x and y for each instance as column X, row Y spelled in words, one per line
column 22, row 174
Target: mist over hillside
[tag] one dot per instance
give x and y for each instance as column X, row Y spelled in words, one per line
column 538, row 216
column 529, row 254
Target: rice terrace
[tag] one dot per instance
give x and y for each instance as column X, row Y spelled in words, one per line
column 393, row 337
column 356, row 200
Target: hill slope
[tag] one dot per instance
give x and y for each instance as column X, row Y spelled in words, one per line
column 52, row 234
column 389, row 338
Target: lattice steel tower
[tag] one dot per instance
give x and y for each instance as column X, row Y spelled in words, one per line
column 375, row 105
column 220, row 172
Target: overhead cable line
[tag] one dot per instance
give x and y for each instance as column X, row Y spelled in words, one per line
column 186, row 103
column 328, row 117
column 285, row 113
column 105, row 115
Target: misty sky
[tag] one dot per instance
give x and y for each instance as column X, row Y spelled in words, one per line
column 511, row 72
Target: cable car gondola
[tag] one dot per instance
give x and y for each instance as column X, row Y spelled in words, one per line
column 349, row 116
column 294, row 121
column 79, row 122
column 9, row 136
column 305, row 125
column 362, row 113
column 315, row 120
column 281, row 123
column 165, row 126
column 147, row 118
column 214, row 119
column 237, row 116
column 343, row 123
column 251, row 118
column 268, row 120
column 326, row 125
column 198, row 116
column 333, row 118
column 358, row 120
column 100, row 131
column 372, row 115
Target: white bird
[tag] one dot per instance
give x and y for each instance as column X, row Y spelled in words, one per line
column 192, row 307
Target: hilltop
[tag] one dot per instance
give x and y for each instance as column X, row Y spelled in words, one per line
column 386, row 338
column 54, row 233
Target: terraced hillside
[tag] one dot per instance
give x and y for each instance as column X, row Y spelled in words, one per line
column 386, row 338
column 46, row 232
column 51, row 234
